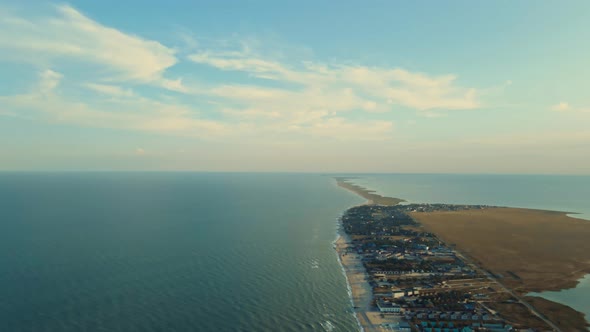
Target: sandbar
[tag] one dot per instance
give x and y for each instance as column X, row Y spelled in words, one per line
column 369, row 195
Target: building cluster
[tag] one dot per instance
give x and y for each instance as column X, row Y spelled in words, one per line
column 417, row 277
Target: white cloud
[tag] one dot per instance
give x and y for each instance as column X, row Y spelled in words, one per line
column 175, row 118
column 237, row 61
column 281, row 99
column 70, row 34
column 48, row 81
column 174, row 85
column 138, row 113
column 371, row 88
column 112, row 90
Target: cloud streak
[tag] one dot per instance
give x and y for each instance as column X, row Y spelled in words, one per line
column 285, row 100
column 69, row 34
column 372, row 88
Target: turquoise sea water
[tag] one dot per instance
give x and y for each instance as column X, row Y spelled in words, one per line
column 550, row 192
column 171, row 252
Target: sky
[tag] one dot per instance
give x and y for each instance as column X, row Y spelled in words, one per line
column 297, row 86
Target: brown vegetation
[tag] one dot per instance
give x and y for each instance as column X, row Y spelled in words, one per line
column 533, row 250
column 528, row 250
column 563, row 316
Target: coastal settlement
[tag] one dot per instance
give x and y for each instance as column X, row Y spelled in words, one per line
column 420, row 283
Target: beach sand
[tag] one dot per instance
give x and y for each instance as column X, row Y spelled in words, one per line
column 369, row 195
column 368, row 316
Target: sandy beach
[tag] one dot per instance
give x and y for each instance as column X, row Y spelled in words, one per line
column 367, row 315
column 369, row 195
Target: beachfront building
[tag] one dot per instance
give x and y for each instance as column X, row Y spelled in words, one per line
column 385, row 306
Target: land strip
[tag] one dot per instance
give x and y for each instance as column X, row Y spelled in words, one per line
column 419, row 263
column 369, row 195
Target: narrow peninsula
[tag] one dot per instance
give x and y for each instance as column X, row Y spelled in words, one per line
column 431, row 267
column 369, row 195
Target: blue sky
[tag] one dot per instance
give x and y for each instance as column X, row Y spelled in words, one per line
column 326, row 86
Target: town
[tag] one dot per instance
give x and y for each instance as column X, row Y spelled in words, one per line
column 426, row 284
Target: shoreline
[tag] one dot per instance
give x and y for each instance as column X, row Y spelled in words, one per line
column 354, row 269
column 370, row 195
column 340, row 246
column 356, row 279
column 340, row 240
column 360, row 292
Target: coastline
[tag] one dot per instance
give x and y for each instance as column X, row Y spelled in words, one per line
column 357, row 276
column 369, row 195
column 360, row 291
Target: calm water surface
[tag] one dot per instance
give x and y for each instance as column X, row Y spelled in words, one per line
column 171, row 252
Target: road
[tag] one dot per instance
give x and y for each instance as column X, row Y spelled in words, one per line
column 509, row 291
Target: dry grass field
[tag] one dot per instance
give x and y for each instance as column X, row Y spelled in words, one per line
column 532, row 250
column 529, row 250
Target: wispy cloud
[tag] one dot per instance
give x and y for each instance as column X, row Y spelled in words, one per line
column 283, row 98
column 69, row 34
column 373, row 88
column 112, row 90
column 140, row 113
column 175, row 118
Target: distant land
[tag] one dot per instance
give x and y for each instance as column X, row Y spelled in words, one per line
column 369, row 195
column 520, row 250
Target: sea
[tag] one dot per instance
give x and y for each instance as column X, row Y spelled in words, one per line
column 157, row 251
column 171, row 252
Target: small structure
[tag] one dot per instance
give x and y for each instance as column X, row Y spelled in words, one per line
column 386, row 306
